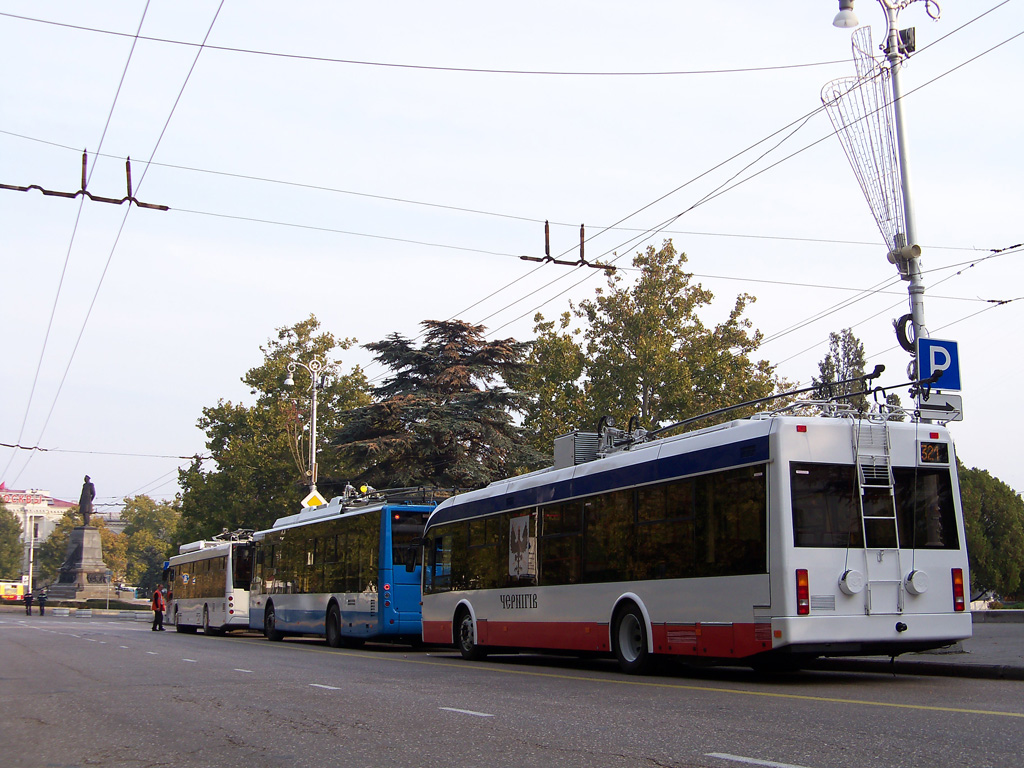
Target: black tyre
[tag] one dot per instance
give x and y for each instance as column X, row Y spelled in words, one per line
column 466, row 637
column 270, row 630
column 629, row 641
column 332, row 628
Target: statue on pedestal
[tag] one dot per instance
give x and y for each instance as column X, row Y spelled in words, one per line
column 85, row 500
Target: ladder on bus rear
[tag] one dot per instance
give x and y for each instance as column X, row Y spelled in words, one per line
column 883, row 572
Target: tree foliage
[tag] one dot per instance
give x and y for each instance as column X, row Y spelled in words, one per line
column 994, row 519
column 643, row 350
column 845, row 360
column 444, row 417
column 259, row 470
column 150, row 531
column 10, row 545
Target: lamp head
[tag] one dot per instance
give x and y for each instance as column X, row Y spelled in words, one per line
column 289, row 382
column 846, row 18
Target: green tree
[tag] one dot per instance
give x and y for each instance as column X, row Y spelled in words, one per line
column 10, row 545
column 149, row 532
column 845, row 360
column 994, row 519
column 444, row 417
column 551, row 383
column 258, row 452
column 647, row 353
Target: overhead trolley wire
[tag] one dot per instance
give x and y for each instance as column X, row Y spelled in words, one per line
column 67, row 257
column 117, row 240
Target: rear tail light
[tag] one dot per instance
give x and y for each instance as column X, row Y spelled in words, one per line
column 803, row 593
column 958, row 589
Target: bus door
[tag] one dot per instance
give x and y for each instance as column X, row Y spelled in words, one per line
column 406, row 551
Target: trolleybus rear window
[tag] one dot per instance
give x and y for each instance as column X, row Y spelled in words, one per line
column 827, row 508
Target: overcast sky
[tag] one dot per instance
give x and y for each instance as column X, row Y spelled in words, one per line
column 379, row 164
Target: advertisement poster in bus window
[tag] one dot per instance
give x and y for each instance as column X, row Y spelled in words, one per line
column 522, row 558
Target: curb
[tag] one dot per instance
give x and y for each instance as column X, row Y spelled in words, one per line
column 929, row 668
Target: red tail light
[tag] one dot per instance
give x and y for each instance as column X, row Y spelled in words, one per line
column 958, row 590
column 803, row 593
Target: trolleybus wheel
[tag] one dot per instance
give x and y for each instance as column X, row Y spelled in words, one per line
column 467, row 638
column 270, row 630
column 629, row 641
column 207, row 629
column 333, row 629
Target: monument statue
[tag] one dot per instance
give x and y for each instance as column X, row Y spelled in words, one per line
column 83, row 575
column 85, row 501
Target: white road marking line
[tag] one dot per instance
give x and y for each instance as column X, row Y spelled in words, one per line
column 123, row 646
column 328, row 687
column 466, row 712
column 152, row 653
column 249, row 671
column 191, row 661
column 751, row 760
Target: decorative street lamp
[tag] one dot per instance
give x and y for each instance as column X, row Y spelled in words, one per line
column 314, row 367
column 905, row 255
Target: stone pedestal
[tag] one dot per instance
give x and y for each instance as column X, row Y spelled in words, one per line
column 84, row 574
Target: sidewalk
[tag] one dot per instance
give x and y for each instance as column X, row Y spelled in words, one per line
column 996, row 651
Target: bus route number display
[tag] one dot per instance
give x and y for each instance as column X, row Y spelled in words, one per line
column 934, row 453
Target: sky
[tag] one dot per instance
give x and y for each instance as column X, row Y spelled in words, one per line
column 381, row 164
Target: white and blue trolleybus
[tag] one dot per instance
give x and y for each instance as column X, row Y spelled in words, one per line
column 768, row 540
column 348, row 570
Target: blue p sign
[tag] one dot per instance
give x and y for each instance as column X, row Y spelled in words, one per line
column 940, row 357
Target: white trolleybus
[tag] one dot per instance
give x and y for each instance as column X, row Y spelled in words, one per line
column 348, row 570
column 769, row 540
column 209, row 584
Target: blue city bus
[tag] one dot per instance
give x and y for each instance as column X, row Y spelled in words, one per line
column 348, row 570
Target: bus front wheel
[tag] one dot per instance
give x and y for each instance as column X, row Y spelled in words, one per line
column 629, row 641
column 270, row 630
column 467, row 637
column 333, row 629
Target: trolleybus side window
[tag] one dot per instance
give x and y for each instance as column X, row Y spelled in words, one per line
column 654, row 532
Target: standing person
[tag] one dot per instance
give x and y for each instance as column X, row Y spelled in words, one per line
column 28, row 603
column 159, row 604
column 42, row 601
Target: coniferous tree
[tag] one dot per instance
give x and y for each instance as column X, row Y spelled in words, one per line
column 444, row 417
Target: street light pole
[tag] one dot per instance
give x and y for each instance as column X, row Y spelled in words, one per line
column 906, row 255
column 314, row 367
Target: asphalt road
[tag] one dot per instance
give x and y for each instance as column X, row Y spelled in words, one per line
column 82, row 692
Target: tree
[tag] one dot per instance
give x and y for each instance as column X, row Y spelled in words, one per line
column 149, row 532
column 644, row 351
column 444, row 417
column 552, row 385
column 10, row 545
column 845, row 360
column 259, row 451
column 994, row 519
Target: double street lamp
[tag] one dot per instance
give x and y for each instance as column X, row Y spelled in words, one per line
column 317, row 379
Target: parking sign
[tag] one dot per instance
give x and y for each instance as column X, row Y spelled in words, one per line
column 937, row 356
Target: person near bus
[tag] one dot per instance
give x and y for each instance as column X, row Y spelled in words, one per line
column 42, row 601
column 28, row 603
column 159, row 605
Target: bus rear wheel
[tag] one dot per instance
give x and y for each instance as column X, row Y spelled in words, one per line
column 270, row 630
column 332, row 631
column 466, row 637
column 629, row 641
column 207, row 629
